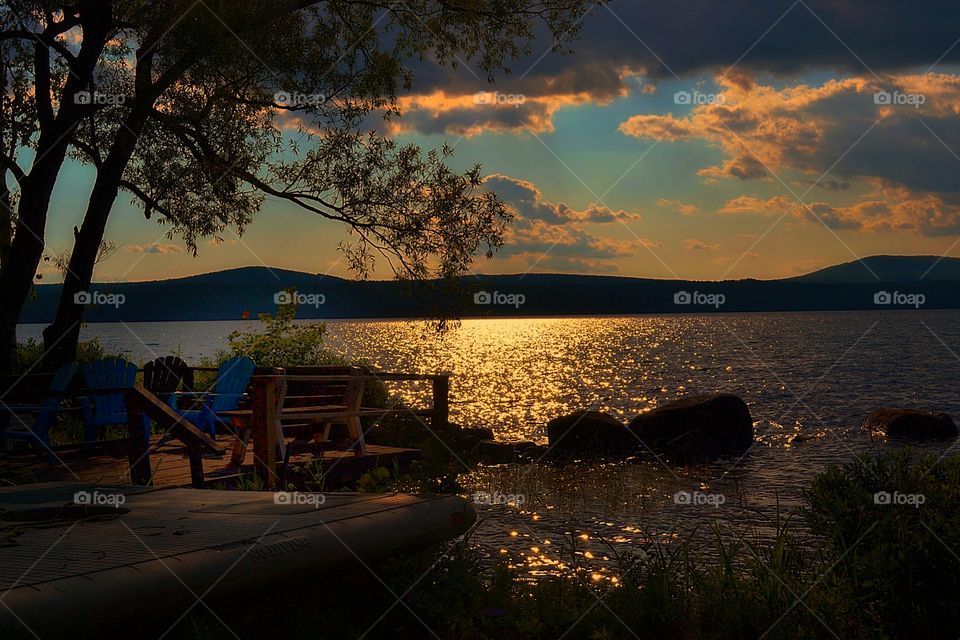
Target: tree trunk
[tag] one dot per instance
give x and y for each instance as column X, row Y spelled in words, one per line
column 17, row 273
column 6, row 219
column 61, row 337
column 6, row 215
column 26, row 249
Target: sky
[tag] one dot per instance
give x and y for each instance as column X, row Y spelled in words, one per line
column 700, row 140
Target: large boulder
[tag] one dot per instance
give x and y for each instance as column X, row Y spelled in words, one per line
column 589, row 432
column 693, row 447
column 912, row 423
column 698, row 428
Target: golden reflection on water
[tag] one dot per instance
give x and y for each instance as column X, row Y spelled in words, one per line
column 514, row 375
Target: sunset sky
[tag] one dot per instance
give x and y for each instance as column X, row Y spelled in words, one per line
column 701, row 140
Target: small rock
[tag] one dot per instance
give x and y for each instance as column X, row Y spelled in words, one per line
column 912, row 423
column 494, row 452
column 467, row 438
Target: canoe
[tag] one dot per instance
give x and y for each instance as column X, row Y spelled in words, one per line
column 77, row 557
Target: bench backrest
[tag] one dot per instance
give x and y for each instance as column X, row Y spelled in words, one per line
column 321, row 392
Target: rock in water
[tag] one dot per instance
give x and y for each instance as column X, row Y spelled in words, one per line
column 692, row 448
column 912, row 423
column 511, row 452
column 697, row 428
column 590, row 432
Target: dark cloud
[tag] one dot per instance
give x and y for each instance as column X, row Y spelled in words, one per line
column 660, row 39
column 528, row 202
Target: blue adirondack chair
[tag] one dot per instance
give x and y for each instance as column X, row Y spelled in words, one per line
column 43, row 413
column 233, row 377
column 103, row 409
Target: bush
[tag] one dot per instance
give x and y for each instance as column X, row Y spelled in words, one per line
column 281, row 343
column 29, row 352
column 893, row 525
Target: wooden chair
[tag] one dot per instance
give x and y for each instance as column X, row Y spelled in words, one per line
column 233, row 378
column 167, row 375
column 43, row 412
column 104, row 409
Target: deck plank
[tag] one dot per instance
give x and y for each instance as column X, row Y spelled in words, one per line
column 171, row 466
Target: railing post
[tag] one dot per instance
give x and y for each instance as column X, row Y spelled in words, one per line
column 441, row 402
column 263, row 396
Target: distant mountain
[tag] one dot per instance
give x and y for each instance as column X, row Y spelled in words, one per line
column 888, row 269
column 877, row 282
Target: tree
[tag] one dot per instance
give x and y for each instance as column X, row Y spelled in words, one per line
column 182, row 105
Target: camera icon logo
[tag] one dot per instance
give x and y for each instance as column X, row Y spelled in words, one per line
column 283, row 297
column 482, row 297
column 83, row 497
column 682, row 297
column 882, row 497
column 882, row 297
column 882, row 97
column 82, row 97
column 682, row 97
column 82, row 297
column 681, row 497
column 282, row 497
column 283, row 98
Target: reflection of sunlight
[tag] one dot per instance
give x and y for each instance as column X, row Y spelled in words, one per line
column 515, row 374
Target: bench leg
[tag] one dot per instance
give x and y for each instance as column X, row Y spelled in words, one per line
column 239, row 453
column 356, row 434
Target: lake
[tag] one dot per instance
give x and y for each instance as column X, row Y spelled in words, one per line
column 809, row 378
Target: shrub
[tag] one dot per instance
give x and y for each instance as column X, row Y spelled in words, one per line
column 29, row 352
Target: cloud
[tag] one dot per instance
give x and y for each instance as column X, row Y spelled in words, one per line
column 153, row 247
column 678, row 206
column 886, row 208
column 536, row 237
column 692, row 244
column 892, row 136
column 624, row 42
column 220, row 242
column 527, row 201
column 483, row 111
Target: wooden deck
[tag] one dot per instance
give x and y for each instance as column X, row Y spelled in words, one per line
column 171, row 466
column 78, row 561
